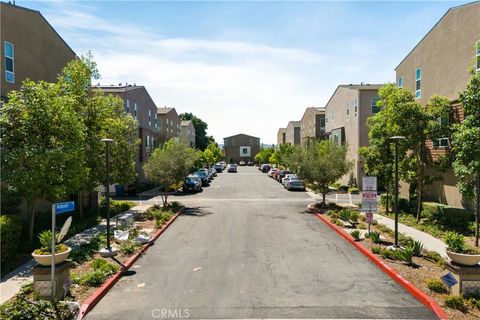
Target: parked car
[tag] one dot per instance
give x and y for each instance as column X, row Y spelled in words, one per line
column 295, row 184
column 204, row 176
column 275, row 174
column 241, row 163
column 219, row 167
column 272, row 172
column 282, row 174
column 232, row 167
column 192, row 183
column 266, row 168
column 213, row 171
column 250, row 163
column 287, row 178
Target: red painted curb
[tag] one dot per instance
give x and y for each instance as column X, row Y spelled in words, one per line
column 414, row 291
column 92, row 301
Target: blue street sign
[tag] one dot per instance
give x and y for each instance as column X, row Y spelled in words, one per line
column 449, row 280
column 63, row 207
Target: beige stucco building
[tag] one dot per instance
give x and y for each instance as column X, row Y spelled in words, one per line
column 240, row 147
column 30, row 48
column 346, row 116
column 169, row 124
column 292, row 133
column 440, row 64
column 187, row 132
column 312, row 125
column 282, row 136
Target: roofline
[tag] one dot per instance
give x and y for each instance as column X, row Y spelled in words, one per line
column 240, row 134
column 434, row 26
column 48, row 23
column 315, row 108
column 347, row 86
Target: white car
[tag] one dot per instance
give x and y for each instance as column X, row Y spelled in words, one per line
column 232, row 167
column 287, row 176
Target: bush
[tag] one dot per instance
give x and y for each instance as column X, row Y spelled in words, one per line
column 389, row 254
column 85, row 251
column 436, row 285
column 449, row 218
column 128, row 247
column 406, row 255
column 353, row 190
column 435, row 257
column 456, row 302
column 21, row 308
column 345, row 214
column 116, row 207
column 383, row 201
column 354, row 216
column 333, row 214
column 403, row 203
column 355, row 234
column 362, row 226
column 163, row 217
column 417, row 247
column 375, row 237
column 10, row 231
column 455, row 242
column 104, row 266
column 92, row 279
column 377, row 249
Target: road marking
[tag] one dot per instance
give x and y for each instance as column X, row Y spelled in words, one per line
column 141, row 285
column 197, row 268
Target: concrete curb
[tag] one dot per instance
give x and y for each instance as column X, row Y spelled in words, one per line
column 407, row 285
column 92, row 301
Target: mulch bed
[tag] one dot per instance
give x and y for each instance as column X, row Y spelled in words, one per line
column 423, row 270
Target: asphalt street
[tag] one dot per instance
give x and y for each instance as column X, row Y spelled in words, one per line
column 245, row 248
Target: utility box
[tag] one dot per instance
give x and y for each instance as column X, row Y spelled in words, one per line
column 42, row 281
column 125, row 221
column 468, row 278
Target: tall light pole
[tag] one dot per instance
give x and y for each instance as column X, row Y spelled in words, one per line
column 395, row 196
column 107, row 252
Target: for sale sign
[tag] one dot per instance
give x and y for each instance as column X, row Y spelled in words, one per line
column 369, row 183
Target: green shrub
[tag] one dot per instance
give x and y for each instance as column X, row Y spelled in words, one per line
column 374, row 222
column 116, row 207
column 417, row 247
column 128, row 247
column 93, row 278
column 456, row 302
column 21, row 308
column 354, row 216
column 383, row 201
column 404, row 205
column 353, row 190
column 436, row 285
column 10, row 231
column 104, row 266
column 389, row 254
column 435, row 257
column 406, row 255
column 377, row 249
column 345, row 214
column 362, row 226
column 333, row 214
column 9, row 201
column 343, row 188
column 355, row 234
column 375, row 237
column 455, row 242
column 450, row 218
column 163, row 217
column 175, row 206
column 85, row 251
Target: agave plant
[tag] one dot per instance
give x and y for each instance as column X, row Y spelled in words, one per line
column 375, row 237
column 417, row 248
column 355, row 234
column 406, row 255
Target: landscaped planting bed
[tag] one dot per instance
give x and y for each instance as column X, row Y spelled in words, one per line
column 90, row 270
column 424, row 271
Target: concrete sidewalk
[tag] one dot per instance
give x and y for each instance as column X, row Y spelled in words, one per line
column 429, row 242
column 13, row 281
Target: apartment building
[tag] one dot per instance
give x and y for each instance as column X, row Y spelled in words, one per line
column 292, row 133
column 312, row 125
column 346, row 116
column 440, row 64
column 30, row 48
column 240, row 147
column 281, row 136
column 141, row 107
column 169, row 124
column 187, row 132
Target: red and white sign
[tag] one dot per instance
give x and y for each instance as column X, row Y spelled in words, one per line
column 369, row 217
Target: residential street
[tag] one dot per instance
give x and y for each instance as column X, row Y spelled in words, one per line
column 247, row 249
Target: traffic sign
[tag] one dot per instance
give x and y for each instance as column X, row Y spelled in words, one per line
column 62, row 207
column 369, row 195
column 369, row 183
column 369, row 217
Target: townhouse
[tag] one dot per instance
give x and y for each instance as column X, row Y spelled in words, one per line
column 187, row 133
column 346, row 116
column 30, row 48
column 441, row 64
column 140, row 106
column 281, row 136
column 169, row 124
column 312, row 125
column 240, row 147
column 292, row 133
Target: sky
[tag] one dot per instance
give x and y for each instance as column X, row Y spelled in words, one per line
column 243, row 67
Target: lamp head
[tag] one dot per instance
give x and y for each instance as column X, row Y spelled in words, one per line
column 106, row 140
column 397, row 138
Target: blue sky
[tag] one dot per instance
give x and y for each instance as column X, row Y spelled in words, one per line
column 243, row 67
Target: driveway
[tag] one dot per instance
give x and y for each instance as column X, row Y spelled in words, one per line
column 245, row 248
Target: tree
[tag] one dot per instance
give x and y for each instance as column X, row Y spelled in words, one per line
column 216, row 152
column 264, row 155
column 401, row 115
column 102, row 116
column 43, row 144
column 167, row 166
column 201, row 138
column 466, row 147
column 323, row 163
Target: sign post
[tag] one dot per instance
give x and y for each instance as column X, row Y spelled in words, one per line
column 57, row 208
column 369, row 198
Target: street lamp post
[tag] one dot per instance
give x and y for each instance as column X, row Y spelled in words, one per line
column 108, row 251
column 395, row 196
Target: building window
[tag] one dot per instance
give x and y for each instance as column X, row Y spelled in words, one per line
column 333, row 117
column 442, row 142
column 477, row 51
column 347, row 106
column 400, row 82
column 149, row 117
column 156, row 121
column 135, row 110
column 418, row 83
column 355, row 107
column 9, row 56
column 127, row 106
column 326, row 120
column 375, row 108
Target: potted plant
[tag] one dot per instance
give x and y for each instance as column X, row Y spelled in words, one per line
column 459, row 252
column 43, row 256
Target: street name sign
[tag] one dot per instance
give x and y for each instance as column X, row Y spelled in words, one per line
column 62, row 207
